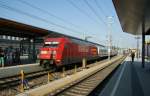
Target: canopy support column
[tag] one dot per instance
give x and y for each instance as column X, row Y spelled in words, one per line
column 143, row 42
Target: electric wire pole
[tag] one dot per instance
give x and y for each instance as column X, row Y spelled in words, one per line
column 109, row 35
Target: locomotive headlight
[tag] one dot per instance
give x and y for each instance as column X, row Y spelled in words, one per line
column 44, row 52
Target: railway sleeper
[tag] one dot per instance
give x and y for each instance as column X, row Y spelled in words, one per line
column 73, row 94
column 79, row 88
column 77, row 91
column 85, row 85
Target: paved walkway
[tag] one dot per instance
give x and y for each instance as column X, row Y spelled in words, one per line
column 23, row 62
column 129, row 80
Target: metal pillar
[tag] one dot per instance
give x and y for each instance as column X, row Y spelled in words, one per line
column 84, row 63
column 138, row 47
column 21, row 47
column 109, row 36
column 29, row 50
column 22, row 81
column 63, row 72
column 49, row 77
column 143, row 42
column 75, row 68
column 34, row 51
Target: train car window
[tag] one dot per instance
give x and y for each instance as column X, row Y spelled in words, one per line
column 51, row 45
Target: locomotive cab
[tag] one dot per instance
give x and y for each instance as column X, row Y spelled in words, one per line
column 50, row 53
column 49, row 50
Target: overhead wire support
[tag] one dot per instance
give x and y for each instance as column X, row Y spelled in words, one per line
column 35, row 17
column 109, row 36
column 93, row 10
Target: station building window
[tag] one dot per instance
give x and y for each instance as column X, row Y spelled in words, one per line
column 10, row 37
column 17, row 38
column 13, row 38
column 4, row 37
column 1, row 36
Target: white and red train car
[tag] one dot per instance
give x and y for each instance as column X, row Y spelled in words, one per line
column 63, row 51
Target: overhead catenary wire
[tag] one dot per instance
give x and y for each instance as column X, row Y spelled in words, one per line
column 82, row 11
column 47, row 12
column 108, row 8
column 35, row 17
column 100, row 8
column 93, row 10
column 50, row 14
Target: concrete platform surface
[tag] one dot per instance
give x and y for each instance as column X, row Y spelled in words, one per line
column 130, row 79
column 15, row 70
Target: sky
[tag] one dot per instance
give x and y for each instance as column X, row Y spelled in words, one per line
column 78, row 18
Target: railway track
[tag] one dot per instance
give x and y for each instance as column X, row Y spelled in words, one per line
column 35, row 79
column 86, row 86
column 15, row 80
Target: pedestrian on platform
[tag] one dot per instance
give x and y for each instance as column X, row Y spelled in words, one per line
column 1, row 57
column 5, row 55
column 17, row 56
column 10, row 55
column 132, row 56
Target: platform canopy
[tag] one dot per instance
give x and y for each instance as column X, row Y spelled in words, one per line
column 17, row 29
column 131, row 14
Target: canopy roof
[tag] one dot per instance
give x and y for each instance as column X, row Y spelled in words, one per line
column 13, row 28
column 131, row 14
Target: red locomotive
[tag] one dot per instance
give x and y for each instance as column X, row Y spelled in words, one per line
column 63, row 51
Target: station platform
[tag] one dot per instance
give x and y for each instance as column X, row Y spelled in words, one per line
column 130, row 79
column 15, row 70
column 23, row 61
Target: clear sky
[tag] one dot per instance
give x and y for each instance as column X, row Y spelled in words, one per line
column 71, row 17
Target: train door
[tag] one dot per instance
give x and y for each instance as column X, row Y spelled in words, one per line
column 69, row 54
column 66, row 54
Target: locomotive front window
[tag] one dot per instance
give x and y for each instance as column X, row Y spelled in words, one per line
column 51, row 44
